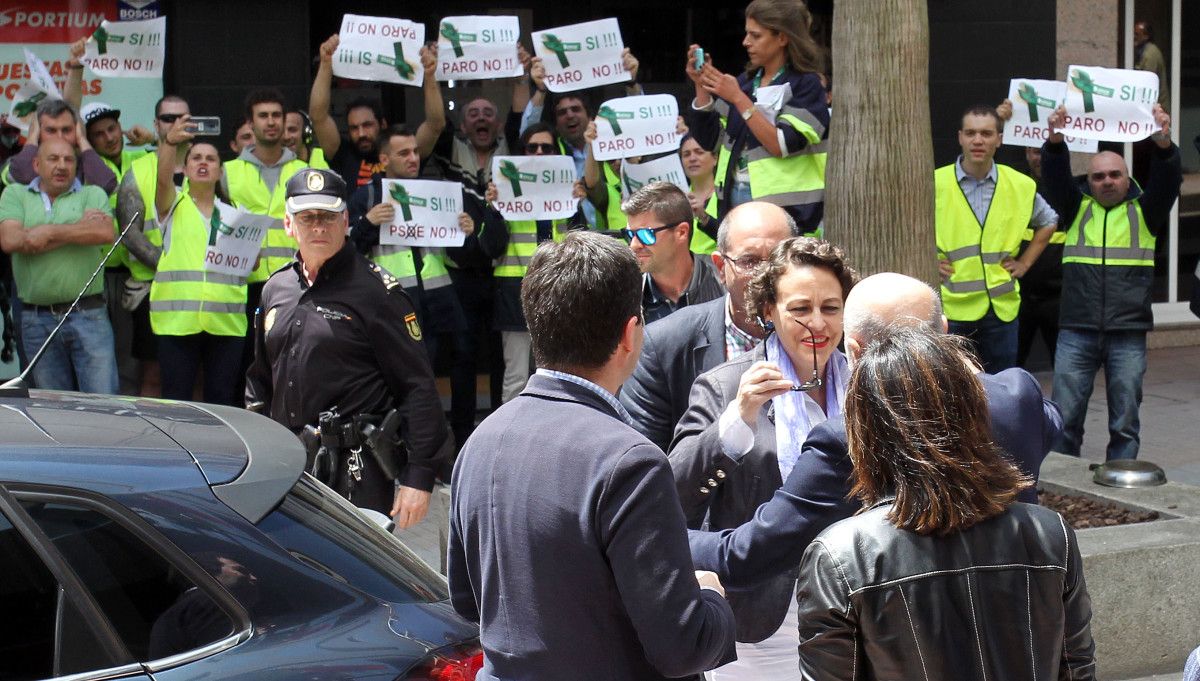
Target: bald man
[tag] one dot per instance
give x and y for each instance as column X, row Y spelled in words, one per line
column 1108, row 276
column 685, row 344
column 1024, row 425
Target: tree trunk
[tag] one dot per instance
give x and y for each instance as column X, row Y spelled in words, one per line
column 879, row 181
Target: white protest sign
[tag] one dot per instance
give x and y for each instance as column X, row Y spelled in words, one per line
column 476, row 48
column 534, row 187
column 128, row 49
column 233, row 247
column 39, row 86
column 634, row 176
column 380, row 49
column 1033, row 101
column 426, row 213
column 581, row 56
column 1114, row 105
column 636, row 126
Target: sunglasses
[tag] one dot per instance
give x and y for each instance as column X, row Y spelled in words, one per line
column 543, row 147
column 169, row 118
column 646, row 235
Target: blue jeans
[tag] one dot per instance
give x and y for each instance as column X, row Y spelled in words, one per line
column 82, row 356
column 740, row 194
column 1079, row 356
column 995, row 341
column 181, row 358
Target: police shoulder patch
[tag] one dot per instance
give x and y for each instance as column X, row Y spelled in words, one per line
column 386, row 277
column 414, row 328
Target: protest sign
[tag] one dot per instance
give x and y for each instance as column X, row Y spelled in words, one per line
column 636, row 126
column 1033, row 101
column 534, row 187
column 581, row 56
column 426, row 213
column 1114, row 105
column 235, row 241
column 381, row 49
column 30, row 93
column 634, row 176
column 128, row 49
column 476, row 48
column 47, row 28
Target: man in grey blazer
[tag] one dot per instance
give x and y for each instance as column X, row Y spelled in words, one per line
column 567, row 538
column 685, row 344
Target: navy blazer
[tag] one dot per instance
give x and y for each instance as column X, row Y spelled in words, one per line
column 1024, row 424
column 676, row 349
column 568, row 545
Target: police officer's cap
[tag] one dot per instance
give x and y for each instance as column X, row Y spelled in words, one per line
column 314, row 189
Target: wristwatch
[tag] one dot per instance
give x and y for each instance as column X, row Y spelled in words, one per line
column 748, row 112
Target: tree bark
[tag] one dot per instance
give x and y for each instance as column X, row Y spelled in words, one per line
column 879, row 182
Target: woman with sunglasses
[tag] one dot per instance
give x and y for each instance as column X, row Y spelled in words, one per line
column 198, row 316
column 771, row 121
column 516, row 247
column 699, row 164
column 747, row 421
column 944, row 574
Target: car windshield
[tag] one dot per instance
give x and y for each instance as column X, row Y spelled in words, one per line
column 326, row 532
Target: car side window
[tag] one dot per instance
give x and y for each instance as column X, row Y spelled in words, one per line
column 41, row 634
column 156, row 610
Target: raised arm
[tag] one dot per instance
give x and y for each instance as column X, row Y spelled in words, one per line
column 73, row 91
column 164, row 193
column 325, row 129
column 435, row 106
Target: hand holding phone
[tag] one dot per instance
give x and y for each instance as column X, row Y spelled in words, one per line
column 698, row 53
column 205, row 126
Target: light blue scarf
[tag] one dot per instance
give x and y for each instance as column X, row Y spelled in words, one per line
column 791, row 418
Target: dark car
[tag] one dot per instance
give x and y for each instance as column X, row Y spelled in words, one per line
column 168, row 541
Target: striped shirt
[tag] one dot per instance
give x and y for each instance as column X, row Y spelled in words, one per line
column 608, row 397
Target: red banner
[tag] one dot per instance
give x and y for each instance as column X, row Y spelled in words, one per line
column 52, row 21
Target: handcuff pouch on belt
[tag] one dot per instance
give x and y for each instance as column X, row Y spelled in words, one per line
column 335, row 434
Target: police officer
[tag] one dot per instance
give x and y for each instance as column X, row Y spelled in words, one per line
column 335, row 333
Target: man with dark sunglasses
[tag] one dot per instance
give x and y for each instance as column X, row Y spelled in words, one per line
column 659, row 230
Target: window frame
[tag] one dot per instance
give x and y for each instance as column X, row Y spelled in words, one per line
column 17, row 493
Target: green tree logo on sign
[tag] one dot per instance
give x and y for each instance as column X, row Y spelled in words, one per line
column 1083, row 80
column 103, row 38
column 402, row 66
column 515, row 177
column 406, row 201
column 25, row 107
column 449, row 32
column 559, row 48
column 1029, row 95
column 612, row 116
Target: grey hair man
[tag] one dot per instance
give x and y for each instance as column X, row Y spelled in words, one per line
column 627, row 578
column 691, row 341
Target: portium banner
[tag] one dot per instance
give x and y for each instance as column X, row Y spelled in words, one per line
column 581, row 56
column 128, row 49
column 636, row 126
column 380, row 49
column 477, row 48
column 47, row 28
column 634, row 176
column 426, row 213
column 235, row 238
column 1032, row 103
column 534, row 187
column 1110, row 105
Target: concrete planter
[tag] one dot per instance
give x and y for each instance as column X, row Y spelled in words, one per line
column 1144, row 579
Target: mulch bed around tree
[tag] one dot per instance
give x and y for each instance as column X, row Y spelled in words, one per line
column 1082, row 512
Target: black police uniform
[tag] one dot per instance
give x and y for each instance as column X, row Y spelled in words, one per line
column 349, row 340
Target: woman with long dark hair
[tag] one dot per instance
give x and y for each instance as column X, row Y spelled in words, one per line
column 943, row 574
column 769, row 124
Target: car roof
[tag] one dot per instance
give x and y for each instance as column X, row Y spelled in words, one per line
column 249, row 461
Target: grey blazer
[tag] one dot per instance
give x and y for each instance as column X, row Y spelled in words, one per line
column 728, row 492
column 676, row 350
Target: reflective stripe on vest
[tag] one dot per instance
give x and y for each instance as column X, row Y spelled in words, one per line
column 522, row 242
column 184, row 299
column 794, row 180
column 1122, row 239
column 120, row 255
column 614, row 218
column 980, row 282
column 246, row 190
column 398, row 261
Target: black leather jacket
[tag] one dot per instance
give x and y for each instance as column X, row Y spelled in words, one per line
column 1004, row 599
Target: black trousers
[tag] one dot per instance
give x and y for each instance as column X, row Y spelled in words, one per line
column 1038, row 313
column 476, row 292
